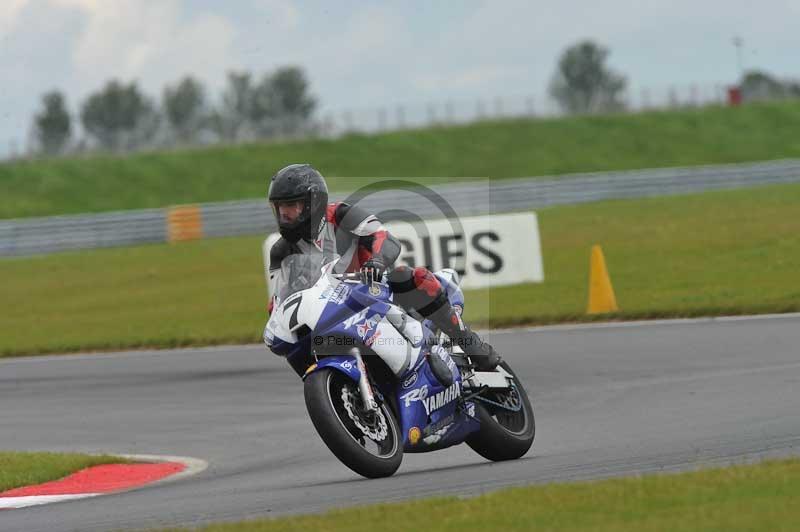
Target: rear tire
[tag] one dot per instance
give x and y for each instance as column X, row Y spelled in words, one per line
column 504, row 435
column 332, row 400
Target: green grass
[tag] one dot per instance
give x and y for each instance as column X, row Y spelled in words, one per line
column 496, row 149
column 761, row 497
column 728, row 252
column 708, row 254
column 26, row 469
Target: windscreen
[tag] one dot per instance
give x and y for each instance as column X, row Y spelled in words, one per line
column 301, row 271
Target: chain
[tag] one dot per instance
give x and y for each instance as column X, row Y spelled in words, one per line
column 511, row 401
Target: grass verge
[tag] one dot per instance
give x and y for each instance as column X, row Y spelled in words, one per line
column 717, row 253
column 19, row 469
column 744, row 497
column 497, row 149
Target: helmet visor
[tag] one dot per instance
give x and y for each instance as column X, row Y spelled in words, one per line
column 288, row 212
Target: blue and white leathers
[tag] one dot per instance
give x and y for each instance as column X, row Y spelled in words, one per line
column 332, row 318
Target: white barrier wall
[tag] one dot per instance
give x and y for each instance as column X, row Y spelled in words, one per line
column 495, row 250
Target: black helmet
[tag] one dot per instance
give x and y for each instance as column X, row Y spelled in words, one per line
column 300, row 182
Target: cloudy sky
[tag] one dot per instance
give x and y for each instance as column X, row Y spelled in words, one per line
column 364, row 54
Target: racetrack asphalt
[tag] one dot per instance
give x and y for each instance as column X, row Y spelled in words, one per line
column 612, row 399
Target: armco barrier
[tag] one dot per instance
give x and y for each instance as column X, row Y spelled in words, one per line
column 28, row 236
column 59, row 233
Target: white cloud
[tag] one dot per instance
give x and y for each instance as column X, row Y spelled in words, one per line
column 366, row 59
column 88, row 5
column 151, row 41
column 9, row 10
column 378, row 54
column 371, row 33
column 281, row 13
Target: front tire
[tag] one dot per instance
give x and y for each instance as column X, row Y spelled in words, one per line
column 504, row 435
column 368, row 444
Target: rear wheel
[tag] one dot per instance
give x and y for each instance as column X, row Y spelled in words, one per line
column 369, row 443
column 507, row 423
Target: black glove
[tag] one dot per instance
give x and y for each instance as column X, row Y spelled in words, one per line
column 372, row 271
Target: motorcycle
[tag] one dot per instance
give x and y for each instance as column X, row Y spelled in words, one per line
column 370, row 409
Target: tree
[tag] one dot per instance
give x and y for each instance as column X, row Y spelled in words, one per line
column 120, row 117
column 278, row 102
column 185, row 108
column 292, row 101
column 757, row 85
column 584, row 84
column 53, row 125
column 281, row 102
column 234, row 114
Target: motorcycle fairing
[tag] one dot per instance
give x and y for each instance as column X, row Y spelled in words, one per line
column 433, row 417
column 430, row 415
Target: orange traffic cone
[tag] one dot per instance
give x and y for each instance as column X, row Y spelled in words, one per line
column 601, row 293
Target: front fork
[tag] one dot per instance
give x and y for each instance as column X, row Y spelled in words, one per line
column 367, row 396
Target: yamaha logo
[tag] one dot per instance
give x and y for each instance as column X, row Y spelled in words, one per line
column 375, row 290
column 442, row 398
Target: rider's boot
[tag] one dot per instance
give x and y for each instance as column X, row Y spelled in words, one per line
column 442, row 313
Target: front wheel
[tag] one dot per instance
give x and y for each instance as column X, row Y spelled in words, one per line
column 507, row 423
column 368, row 443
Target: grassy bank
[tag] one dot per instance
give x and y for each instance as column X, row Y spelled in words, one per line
column 490, row 149
column 746, row 497
column 729, row 252
column 26, row 469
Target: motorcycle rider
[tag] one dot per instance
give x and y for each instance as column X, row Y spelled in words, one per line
column 307, row 223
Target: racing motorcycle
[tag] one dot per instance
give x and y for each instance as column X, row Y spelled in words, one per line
column 370, row 409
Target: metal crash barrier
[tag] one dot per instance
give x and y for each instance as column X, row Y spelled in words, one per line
column 30, row 236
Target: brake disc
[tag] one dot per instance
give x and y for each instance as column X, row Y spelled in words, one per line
column 378, row 432
column 511, row 399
